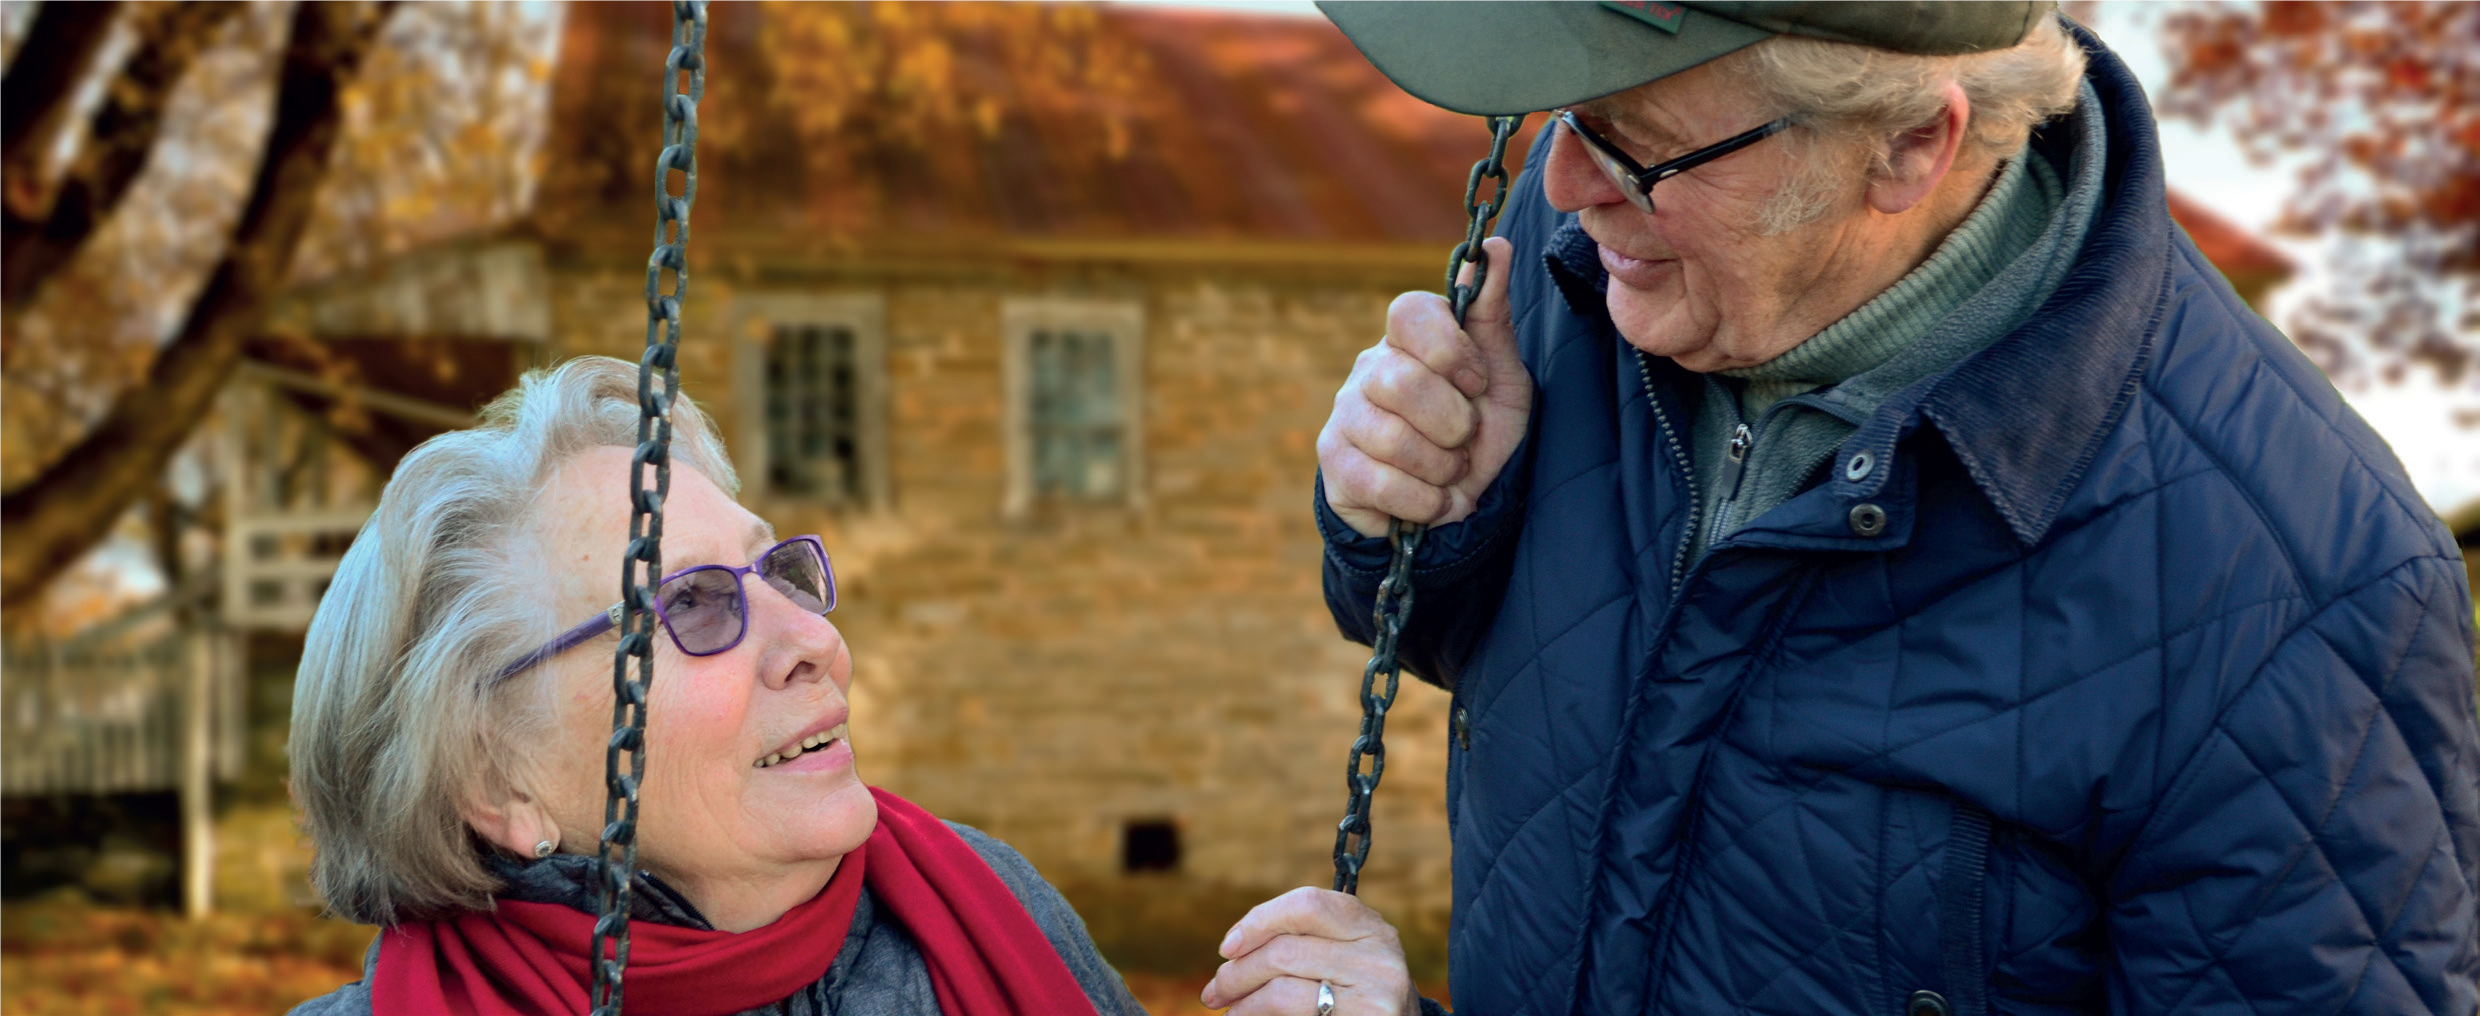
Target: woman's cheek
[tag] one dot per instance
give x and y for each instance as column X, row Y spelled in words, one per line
column 695, row 714
column 842, row 669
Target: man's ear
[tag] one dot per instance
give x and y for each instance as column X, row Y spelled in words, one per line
column 510, row 819
column 1917, row 160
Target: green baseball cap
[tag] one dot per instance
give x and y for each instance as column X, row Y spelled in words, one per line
column 1495, row 57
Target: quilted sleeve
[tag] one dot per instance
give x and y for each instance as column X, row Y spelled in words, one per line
column 2316, row 850
column 1458, row 577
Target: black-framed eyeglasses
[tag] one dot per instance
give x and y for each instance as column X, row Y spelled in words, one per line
column 706, row 608
column 1635, row 181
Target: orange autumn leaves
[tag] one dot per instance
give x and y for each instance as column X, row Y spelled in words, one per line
column 68, row 958
column 897, row 73
column 65, row 958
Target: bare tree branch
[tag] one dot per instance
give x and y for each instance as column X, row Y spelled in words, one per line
column 70, row 506
column 34, row 243
column 58, row 46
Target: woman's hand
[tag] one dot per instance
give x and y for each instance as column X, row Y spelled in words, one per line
column 1283, row 948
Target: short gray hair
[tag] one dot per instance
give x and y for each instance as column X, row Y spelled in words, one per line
column 395, row 721
column 1862, row 96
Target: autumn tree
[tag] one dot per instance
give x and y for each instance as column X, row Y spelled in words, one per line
column 859, row 94
column 233, row 150
column 2380, row 104
column 889, row 74
column 139, row 268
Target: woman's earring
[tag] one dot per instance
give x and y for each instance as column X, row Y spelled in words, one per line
column 544, row 848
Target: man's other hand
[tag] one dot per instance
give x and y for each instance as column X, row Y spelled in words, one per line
column 1431, row 413
column 1279, row 953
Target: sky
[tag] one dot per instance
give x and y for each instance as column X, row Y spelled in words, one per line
column 2207, row 165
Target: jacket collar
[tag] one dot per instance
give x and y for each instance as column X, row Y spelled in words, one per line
column 2027, row 414
column 1575, row 265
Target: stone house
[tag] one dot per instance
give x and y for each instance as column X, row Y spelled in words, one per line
column 1048, row 382
column 1049, row 388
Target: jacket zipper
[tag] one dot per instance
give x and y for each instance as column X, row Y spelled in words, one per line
column 1734, row 463
column 1735, row 459
column 1679, row 454
column 1742, row 441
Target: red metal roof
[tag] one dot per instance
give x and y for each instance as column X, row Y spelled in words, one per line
column 2231, row 248
column 1242, row 126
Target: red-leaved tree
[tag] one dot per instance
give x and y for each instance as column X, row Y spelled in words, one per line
column 2379, row 102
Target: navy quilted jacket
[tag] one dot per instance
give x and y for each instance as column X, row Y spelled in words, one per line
column 2153, row 695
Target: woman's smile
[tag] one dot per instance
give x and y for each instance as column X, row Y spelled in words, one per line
column 816, row 752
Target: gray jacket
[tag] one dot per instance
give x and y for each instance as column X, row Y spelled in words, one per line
column 878, row 972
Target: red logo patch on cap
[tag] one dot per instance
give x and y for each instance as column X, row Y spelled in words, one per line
column 1652, row 12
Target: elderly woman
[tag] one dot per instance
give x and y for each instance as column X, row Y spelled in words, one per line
column 1879, row 565
column 448, row 754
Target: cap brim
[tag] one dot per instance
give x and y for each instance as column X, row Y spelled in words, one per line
column 1497, row 58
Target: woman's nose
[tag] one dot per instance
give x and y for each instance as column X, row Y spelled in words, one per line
column 1570, row 179
column 803, row 644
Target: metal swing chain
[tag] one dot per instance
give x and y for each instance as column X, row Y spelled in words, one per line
column 642, row 566
column 1394, row 602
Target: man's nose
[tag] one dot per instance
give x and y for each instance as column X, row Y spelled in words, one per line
column 1570, row 179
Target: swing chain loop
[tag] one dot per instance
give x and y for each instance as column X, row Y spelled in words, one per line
column 658, row 376
column 1393, row 609
column 1479, row 214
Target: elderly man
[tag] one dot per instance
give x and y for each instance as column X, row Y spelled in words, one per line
column 1878, row 564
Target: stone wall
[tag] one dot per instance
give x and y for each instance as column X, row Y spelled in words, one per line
column 1053, row 677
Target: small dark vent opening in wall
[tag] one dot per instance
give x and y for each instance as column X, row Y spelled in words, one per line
column 1150, row 845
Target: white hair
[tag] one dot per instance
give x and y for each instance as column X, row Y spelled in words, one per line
column 396, row 721
column 1855, row 99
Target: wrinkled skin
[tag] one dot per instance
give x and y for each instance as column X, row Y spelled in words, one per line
column 1432, row 414
column 744, row 844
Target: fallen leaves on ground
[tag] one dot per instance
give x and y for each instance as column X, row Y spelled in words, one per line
column 1166, row 995
column 67, row 957
column 71, row 958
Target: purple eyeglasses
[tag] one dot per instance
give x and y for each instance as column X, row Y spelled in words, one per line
column 706, row 608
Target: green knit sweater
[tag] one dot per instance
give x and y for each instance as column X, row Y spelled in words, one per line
column 1787, row 416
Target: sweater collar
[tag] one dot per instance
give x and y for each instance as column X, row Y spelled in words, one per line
column 2006, row 223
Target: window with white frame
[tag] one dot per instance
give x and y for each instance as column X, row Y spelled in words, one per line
column 1074, row 393
column 810, row 397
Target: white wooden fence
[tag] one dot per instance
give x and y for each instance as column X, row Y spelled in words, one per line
column 135, row 715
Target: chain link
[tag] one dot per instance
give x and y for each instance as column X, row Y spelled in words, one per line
column 1394, row 602
column 658, row 376
column 1479, row 215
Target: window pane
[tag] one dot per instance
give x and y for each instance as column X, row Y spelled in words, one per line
column 1075, row 413
column 813, row 436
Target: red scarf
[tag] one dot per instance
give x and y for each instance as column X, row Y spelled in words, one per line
column 985, row 954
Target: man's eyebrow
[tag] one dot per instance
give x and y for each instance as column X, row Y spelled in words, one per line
column 761, row 535
column 1629, row 127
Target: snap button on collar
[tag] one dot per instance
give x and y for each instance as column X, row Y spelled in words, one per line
column 1927, row 1003
column 1867, row 519
column 1858, row 468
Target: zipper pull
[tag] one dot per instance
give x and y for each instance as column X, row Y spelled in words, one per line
column 1735, row 460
